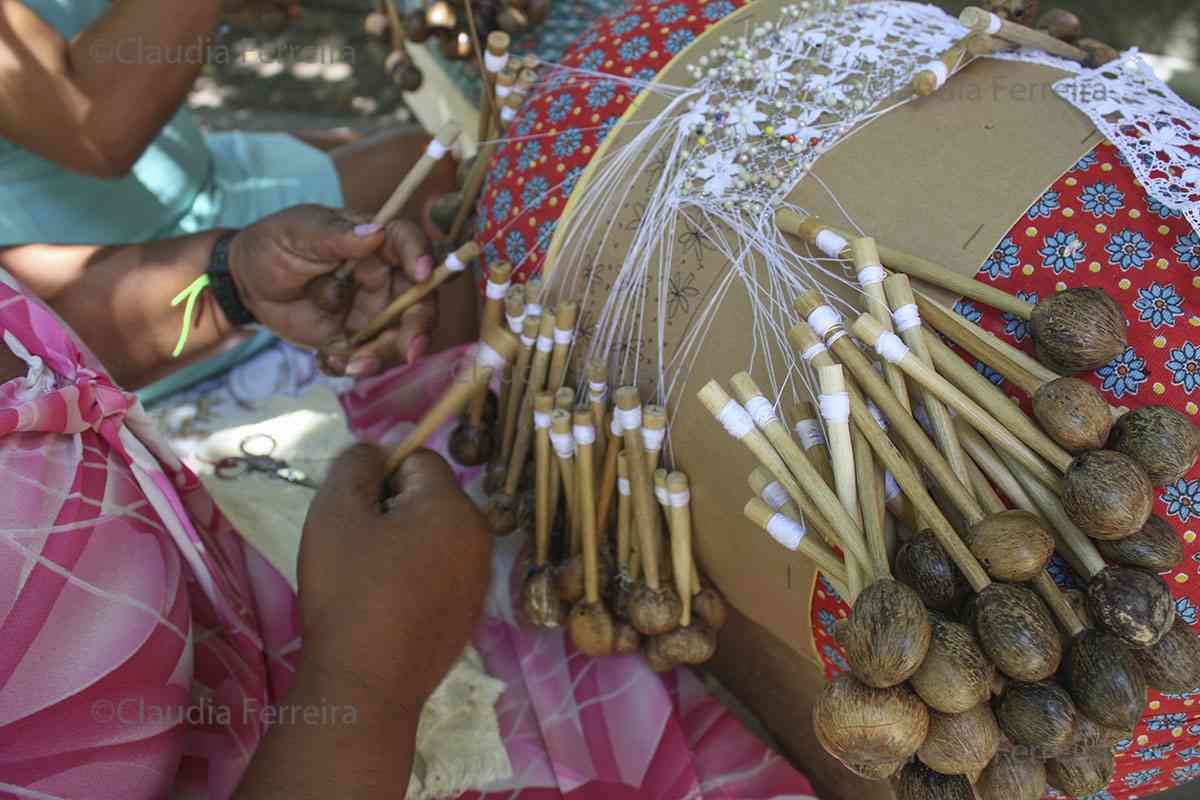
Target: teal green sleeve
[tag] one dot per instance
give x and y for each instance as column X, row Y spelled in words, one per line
column 68, row 17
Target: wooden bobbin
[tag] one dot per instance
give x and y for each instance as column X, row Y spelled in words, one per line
column 597, row 374
column 395, row 204
column 535, row 384
column 679, row 514
column 514, row 314
column 982, row 21
column 950, row 61
column 812, row 438
column 564, row 335
column 767, row 518
column 454, row 264
column 654, row 431
column 516, row 389
column 624, row 515
column 498, row 283
column 585, row 487
column 543, row 406
column 496, row 348
column 564, row 450
column 564, row 400
column 608, row 479
column 629, row 407
column 841, row 451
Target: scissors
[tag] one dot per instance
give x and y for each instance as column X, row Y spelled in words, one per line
column 257, row 456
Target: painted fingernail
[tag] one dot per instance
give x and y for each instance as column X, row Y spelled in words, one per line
column 417, row 348
column 423, row 268
column 362, row 366
column 363, row 231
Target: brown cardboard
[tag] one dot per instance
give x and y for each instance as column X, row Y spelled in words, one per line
column 944, row 177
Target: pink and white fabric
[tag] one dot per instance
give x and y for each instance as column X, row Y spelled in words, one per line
column 142, row 639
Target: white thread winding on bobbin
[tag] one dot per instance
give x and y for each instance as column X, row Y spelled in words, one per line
column 681, row 499
column 507, row 114
column 877, row 414
column 584, row 434
column 623, row 487
column 630, row 420
column 941, row 73
column 872, row 274
column 545, row 344
column 774, row 495
column 488, row 357
column 597, row 390
column 436, row 150
column 615, row 426
column 503, row 91
column 810, row 433
column 823, row 319
column 533, row 309
column 494, row 63
column 891, row 489
column 564, row 337
column 564, row 444
column 528, row 341
column 830, row 243
column 786, row 531
column 994, row 24
column 496, row 291
column 515, row 323
column 761, row 411
column 835, row 408
column 735, row 419
column 662, row 495
column 891, row 347
column 814, row 351
column 652, row 438
column 906, row 317
column 541, row 420
column 455, row 264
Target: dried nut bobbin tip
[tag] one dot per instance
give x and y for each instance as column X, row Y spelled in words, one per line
column 1012, row 777
column 626, row 640
column 955, row 676
column 1017, row 632
column 540, row 601
column 1155, row 548
column 1107, row 494
column 1161, row 439
column 694, row 645
column 1172, row 665
column 1013, row 546
column 1073, row 413
column 1105, row 680
column 918, row 782
column 961, row 744
column 654, row 611
column 592, row 629
column 1081, row 774
column 470, row 445
column 858, row 724
column 888, row 634
column 1039, row 716
column 502, row 514
column 1078, row 330
column 1132, row 604
column 923, row 565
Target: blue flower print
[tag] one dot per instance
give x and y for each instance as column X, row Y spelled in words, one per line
column 545, row 233
column 1155, row 207
column 1194, row 730
column 567, row 142
column 601, row 94
column 835, row 658
column 525, row 124
column 1103, row 794
column 1159, row 304
column 1045, row 206
column 529, row 155
column 605, row 128
column 1155, row 753
column 557, row 78
column 967, row 310
column 1124, row 374
column 1184, row 774
column 1165, row 722
column 514, row 244
column 1188, row 249
column 1085, row 163
column 534, row 193
column 1128, row 250
column 827, row 587
column 989, row 373
column 502, row 205
column 1182, row 499
column 1062, row 252
column 827, row 620
column 716, row 9
column 592, row 61
column 678, row 39
column 1002, row 260
column 1185, row 610
column 1122, row 745
column 560, row 107
column 501, row 166
column 670, row 14
column 1102, row 199
column 634, row 48
column 1191, row 754
column 1184, row 364
column 1017, row 326
column 625, row 24
column 570, row 179
column 645, row 75
column 1141, row 777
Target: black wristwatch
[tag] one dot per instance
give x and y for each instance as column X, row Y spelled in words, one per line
column 223, row 287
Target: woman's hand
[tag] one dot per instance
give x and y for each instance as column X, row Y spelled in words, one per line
column 390, row 593
column 283, row 266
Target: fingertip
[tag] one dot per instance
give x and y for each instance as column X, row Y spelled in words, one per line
column 423, row 268
column 424, row 469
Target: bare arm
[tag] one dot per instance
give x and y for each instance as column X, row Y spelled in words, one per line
column 95, row 103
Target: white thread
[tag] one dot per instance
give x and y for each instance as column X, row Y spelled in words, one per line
column 813, row 351
column 454, row 263
column 630, row 419
column 615, row 426
column 890, row 347
column 906, row 317
column 786, row 531
column 503, row 91
column 488, row 357
column 871, row 274
column 652, row 438
column 775, row 495
column 877, row 414
column 494, row 63
column 584, row 434
column 761, row 411
column 809, row 431
column 563, row 443
column 835, row 408
column 823, row 319
column 436, row 150
column 563, row 337
column 623, row 487
column 830, row 243
column 994, row 24
column 681, row 499
column 597, row 390
column 516, row 322
column 735, row 419
column 662, row 495
column 891, row 489
column 528, row 341
column 507, row 114
column 941, row 73
column 541, row 420
column 533, row 309
column 545, row 344
column 496, row 291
